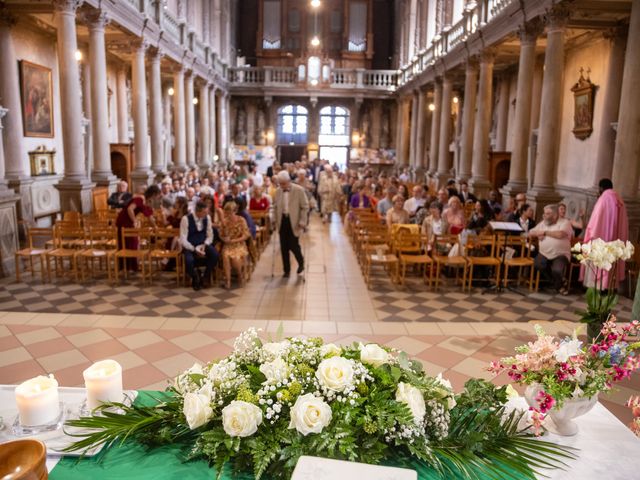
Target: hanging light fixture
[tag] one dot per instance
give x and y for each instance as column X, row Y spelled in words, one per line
column 315, row 41
column 195, row 100
column 171, row 91
column 315, row 3
column 455, row 100
column 432, row 107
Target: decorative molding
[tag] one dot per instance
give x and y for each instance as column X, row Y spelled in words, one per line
column 530, row 31
column 66, row 6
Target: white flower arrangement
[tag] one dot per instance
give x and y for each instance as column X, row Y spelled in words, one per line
column 601, row 254
column 266, row 404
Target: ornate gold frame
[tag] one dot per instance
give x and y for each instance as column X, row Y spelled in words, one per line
column 583, row 96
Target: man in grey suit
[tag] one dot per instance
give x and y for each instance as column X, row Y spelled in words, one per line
column 291, row 215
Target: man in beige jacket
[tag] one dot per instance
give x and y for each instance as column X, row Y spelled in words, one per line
column 291, row 216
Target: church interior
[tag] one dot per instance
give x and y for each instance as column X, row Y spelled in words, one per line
column 503, row 103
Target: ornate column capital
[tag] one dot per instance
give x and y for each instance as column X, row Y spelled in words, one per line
column 556, row 17
column 7, row 18
column 488, row 55
column 530, row 31
column 156, row 54
column 616, row 33
column 140, row 45
column 95, row 19
column 66, row 6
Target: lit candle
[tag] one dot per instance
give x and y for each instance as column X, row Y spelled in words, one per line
column 38, row 402
column 103, row 381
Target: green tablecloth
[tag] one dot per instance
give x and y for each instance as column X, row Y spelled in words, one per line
column 133, row 461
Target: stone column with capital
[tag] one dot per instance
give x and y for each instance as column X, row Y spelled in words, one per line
column 543, row 190
column 101, row 173
column 75, row 187
column 468, row 116
column 141, row 174
column 444, row 156
column 205, row 156
column 16, row 160
column 122, row 105
column 213, row 127
column 522, row 120
column 179, row 127
column 480, row 159
column 155, row 101
column 422, row 132
column 435, row 127
column 190, row 120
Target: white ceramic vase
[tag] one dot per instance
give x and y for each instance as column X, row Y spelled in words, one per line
column 563, row 418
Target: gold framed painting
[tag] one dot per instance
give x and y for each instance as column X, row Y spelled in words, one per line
column 583, row 93
column 42, row 161
column 37, row 100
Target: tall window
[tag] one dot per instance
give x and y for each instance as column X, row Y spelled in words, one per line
column 334, row 136
column 271, row 25
column 292, row 124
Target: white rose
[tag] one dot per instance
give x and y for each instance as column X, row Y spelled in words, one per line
column 184, row 380
column 310, row 414
column 413, row 398
column 275, row 371
column 448, row 392
column 275, row 349
column 373, row 354
column 335, row 373
column 241, row 419
column 330, row 350
column 197, row 409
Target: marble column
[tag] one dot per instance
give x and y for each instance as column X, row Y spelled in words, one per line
column 213, row 148
column 400, row 127
column 543, row 190
column 205, row 156
column 190, row 120
column 406, row 132
column 621, row 71
column 155, row 110
column 75, row 187
column 479, row 181
column 101, row 173
column 122, row 105
column 141, row 175
column 179, row 126
column 8, row 214
column 414, row 129
column 422, row 131
column 444, row 155
column 503, row 114
column 522, row 120
column 468, row 115
column 435, row 127
column 224, row 127
column 16, row 160
column 167, row 161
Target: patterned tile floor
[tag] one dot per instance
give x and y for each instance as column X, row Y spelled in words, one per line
column 157, row 331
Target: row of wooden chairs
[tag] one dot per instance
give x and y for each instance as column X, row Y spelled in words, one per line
column 406, row 247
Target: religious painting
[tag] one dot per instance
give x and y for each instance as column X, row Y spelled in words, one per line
column 37, row 100
column 583, row 92
column 42, row 161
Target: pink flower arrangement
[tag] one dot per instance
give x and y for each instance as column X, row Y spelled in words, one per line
column 566, row 369
column 634, row 404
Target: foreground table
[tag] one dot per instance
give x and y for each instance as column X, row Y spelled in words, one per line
column 607, row 450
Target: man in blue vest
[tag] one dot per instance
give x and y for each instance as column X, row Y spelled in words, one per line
column 196, row 237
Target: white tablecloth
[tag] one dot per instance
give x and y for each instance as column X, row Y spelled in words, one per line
column 607, row 448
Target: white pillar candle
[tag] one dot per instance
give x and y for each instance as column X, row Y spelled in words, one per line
column 103, row 381
column 37, row 400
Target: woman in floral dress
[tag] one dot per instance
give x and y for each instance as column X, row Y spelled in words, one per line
column 234, row 236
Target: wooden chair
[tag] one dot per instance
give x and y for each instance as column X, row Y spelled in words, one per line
column 520, row 259
column 372, row 239
column 481, row 252
column 442, row 245
column 72, row 217
column 378, row 253
column 141, row 254
column 37, row 238
column 160, row 252
column 410, row 250
column 102, row 242
column 68, row 241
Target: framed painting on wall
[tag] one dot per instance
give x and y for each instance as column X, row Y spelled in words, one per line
column 37, row 100
column 583, row 93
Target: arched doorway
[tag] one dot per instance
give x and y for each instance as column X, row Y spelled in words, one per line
column 334, row 137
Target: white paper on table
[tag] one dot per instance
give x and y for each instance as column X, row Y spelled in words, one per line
column 317, row 468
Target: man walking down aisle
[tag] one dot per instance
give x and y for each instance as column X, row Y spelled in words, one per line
column 291, row 215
